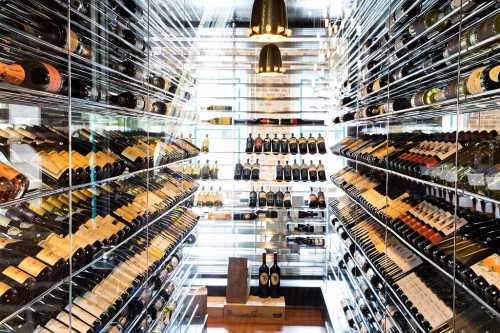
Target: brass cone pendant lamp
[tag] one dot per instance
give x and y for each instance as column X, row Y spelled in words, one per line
column 270, row 61
column 269, row 22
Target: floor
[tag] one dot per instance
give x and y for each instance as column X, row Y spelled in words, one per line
column 298, row 320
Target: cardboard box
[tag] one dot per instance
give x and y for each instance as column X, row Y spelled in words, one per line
column 256, row 310
column 238, row 280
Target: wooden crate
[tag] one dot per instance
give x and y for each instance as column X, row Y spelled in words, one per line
column 256, row 310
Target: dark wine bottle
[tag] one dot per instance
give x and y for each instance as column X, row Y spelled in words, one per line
column 264, row 290
column 275, row 277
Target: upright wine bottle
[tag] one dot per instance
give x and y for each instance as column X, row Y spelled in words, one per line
column 287, row 172
column 258, row 144
column 262, row 197
column 252, row 200
column 275, row 145
column 264, row 290
column 302, row 144
column 293, row 144
column 256, row 170
column 304, row 172
column 284, row 145
column 275, row 277
column 249, row 144
column 279, row 171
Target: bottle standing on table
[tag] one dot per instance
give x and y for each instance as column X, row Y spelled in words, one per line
column 275, row 273
column 264, row 278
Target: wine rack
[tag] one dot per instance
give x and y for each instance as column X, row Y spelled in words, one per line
column 95, row 96
column 230, row 108
column 401, row 69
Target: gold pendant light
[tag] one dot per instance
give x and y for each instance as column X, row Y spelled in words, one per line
column 270, row 61
column 269, row 22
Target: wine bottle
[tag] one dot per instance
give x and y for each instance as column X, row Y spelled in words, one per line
column 275, row 145
column 295, row 171
column 131, row 101
column 205, row 144
column 302, row 142
column 214, row 171
column 262, row 197
column 205, row 171
column 279, row 171
column 270, row 199
column 255, row 173
column 321, row 172
column 321, row 199
column 313, row 200
column 275, row 278
column 264, row 289
column 287, row 199
column 279, row 198
column 258, row 144
column 483, row 79
column 284, row 145
column 252, row 201
column 247, row 171
column 304, row 172
column 238, row 171
column 13, row 184
column 249, row 144
column 267, row 144
column 313, row 172
column 293, row 144
column 320, row 142
column 33, row 75
column 287, row 172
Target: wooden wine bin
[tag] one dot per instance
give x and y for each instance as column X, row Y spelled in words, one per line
column 256, row 310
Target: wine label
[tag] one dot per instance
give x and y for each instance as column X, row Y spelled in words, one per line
column 32, row 266
column 55, row 82
column 275, row 279
column 74, row 322
column 4, row 288
column 474, row 81
column 58, row 327
column 8, row 172
column 132, row 153
column 72, row 42
column 16, row 274
column 489, row 269
column 83, row 315
column 13, row 74
column 88, row 306
column 48, row 257
column 5, row 242
column 264, row 279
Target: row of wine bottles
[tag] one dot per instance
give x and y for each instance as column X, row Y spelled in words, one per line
column 113, row 287
column 205, row 172
column 481, row 79
column 435, row 157
column 285, row 145
column 283, row 199
column 266, row 121
column 464, row 245
column 426, row 295
column 303, row 172
column 47, row 147
column 269, row 278
column 209, row 198
column 42, row 76
column 124, row 58
column 37, row 236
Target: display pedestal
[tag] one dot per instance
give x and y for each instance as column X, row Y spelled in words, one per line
column 256, row 310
